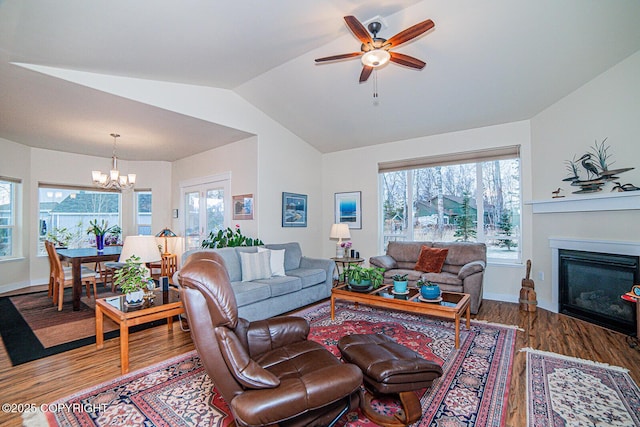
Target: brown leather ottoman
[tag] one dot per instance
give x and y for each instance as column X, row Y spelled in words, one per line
column 389, row 368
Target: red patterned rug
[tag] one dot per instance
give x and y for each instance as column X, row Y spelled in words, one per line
column 472, row 392
column 565, row 391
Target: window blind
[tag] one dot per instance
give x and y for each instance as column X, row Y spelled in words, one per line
column 14, row 180
column 475, row 156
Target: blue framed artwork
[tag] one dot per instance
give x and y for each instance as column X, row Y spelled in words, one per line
column 348, row 209
column 294, row 210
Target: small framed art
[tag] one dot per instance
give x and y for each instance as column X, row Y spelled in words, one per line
column 348, row 209
column 294, row 210
column 242, row 206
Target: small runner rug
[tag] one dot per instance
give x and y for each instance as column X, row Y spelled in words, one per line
column 565, row 391
column 473, row 390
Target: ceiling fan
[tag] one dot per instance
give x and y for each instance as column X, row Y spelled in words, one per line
column 376, row 51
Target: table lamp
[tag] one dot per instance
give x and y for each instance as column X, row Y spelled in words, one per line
column 144, row 247
column 165, row 232
column 340, row 231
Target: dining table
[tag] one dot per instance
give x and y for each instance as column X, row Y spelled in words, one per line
column 78, row 256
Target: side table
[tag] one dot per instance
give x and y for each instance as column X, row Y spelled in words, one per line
column 345, row 263
column 634, row 342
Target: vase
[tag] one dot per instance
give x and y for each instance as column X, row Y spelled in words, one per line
column 100, row 242
column 361, row 286
column 400, row 286
column 339, row 252
column 134, row 298
column 430, row 291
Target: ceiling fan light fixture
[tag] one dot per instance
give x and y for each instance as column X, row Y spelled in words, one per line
column 376, row 58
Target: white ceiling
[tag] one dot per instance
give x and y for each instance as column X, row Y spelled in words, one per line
column 488, row 62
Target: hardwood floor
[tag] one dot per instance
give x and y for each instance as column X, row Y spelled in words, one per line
column 45, row 380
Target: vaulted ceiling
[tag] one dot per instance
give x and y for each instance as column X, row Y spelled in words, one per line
column 488, row 62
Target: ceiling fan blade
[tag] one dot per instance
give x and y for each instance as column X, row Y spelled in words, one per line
column 336, row 57
column 358, row 29
column 366, row 72
column 410, row 33
column 407, row 60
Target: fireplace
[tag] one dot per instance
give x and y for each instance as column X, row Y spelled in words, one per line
column 591, row 283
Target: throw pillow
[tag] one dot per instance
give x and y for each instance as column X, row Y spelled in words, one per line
column 431, row 260
column 255, row 266
column 277, row 261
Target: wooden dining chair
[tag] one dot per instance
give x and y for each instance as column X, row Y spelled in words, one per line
column 63, row 277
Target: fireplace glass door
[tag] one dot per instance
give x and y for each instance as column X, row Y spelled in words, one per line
column 591, row 285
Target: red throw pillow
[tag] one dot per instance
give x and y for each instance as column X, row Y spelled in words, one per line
column 431, row 260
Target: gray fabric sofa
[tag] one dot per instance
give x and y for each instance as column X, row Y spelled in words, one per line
column 463, row 269
column 306, row 280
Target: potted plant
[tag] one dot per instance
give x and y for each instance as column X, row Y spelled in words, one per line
column 100, row 230
column 428, row 290
column 400, row 282
column 229, row 238
column 365, row 277
column 133, row 278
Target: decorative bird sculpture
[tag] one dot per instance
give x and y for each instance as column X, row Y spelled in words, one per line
column 556, row 193
column 589, row 165
column 626, row 187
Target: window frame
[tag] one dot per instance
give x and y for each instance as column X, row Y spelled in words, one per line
column 15, row 187
column 136, row 212
column 78, row 232
column 478, row 159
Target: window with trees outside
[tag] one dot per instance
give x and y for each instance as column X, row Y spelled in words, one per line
column 143, row 212
column 8, row 233
column 467, row 197
column 65, row 213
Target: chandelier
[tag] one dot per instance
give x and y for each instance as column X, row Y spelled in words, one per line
column 113, row 179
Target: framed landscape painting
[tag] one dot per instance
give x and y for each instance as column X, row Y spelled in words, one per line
column 348, row 209
column 294, row 210
column 243, row 206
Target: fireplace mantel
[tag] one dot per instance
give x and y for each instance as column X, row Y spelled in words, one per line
column 626, row 200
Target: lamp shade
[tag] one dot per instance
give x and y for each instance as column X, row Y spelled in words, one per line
column 340, row 231
column 144, row 247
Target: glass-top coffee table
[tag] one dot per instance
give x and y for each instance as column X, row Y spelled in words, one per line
column 164, row 305
column 451, row 305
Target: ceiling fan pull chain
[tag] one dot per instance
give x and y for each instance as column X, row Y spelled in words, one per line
column 375, row 87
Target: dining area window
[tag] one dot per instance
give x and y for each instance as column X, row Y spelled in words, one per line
column 65, row 214
column 8, row 204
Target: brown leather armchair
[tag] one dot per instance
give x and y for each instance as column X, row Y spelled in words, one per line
column 267, row 371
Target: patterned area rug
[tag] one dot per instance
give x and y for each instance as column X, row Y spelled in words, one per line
column 564, row 391
column 472, row 392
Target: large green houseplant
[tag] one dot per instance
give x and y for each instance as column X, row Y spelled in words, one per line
column 229, row 238
column 360, row 276
column 133, row 279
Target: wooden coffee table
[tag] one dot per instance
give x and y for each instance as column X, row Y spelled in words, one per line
column 453, row 306
column 165, row 305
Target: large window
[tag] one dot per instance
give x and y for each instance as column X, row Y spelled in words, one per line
column 8, row 233
column 143, row 212
column 65, row 213
column 456, row 198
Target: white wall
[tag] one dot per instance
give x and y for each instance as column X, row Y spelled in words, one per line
column 606, row 107
column 58, row 168
column 357, row 170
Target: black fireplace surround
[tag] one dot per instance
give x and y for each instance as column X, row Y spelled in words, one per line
column 591, row 284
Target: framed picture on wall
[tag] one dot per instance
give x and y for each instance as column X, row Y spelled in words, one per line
column 348, row 209
column 294, row 210
column 242, row 206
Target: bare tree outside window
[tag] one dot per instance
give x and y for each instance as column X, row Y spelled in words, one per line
column 446, row 203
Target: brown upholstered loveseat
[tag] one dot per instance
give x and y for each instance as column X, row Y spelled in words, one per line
column 462, row 271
